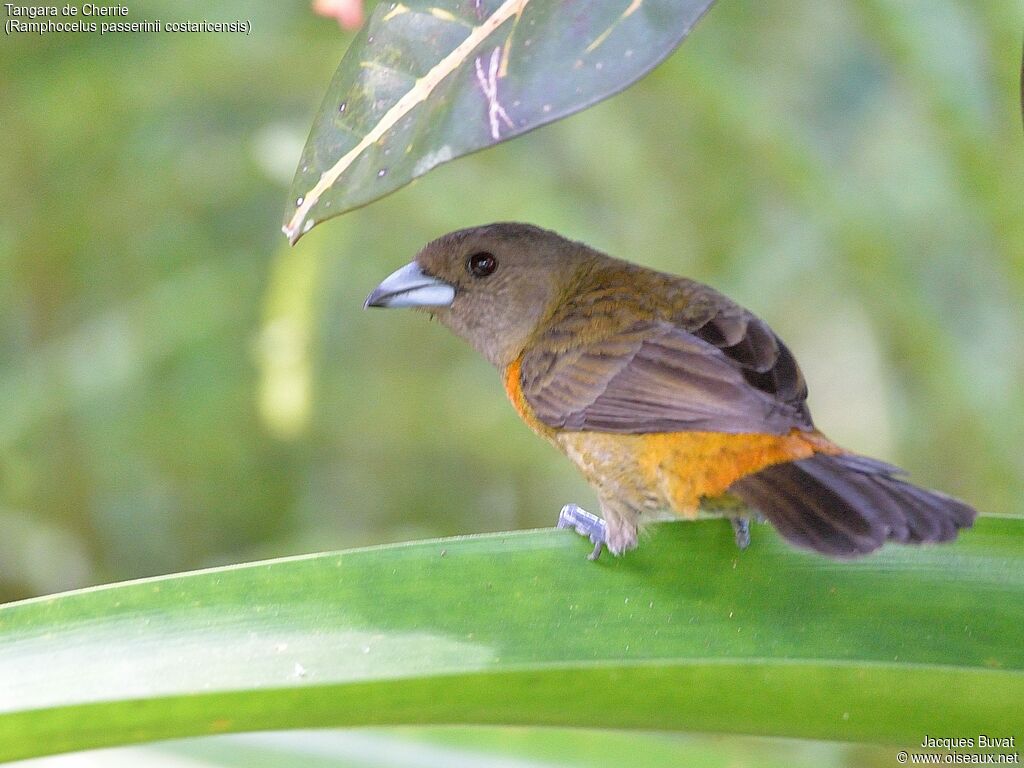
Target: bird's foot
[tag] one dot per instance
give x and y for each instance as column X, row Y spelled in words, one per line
column 741, row 530
column 585, row 524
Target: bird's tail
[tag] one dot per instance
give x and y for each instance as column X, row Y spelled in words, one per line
column 847, row 505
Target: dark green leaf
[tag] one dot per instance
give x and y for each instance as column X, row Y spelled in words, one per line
column 426, row 82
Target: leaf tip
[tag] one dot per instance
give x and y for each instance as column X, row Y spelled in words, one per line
column 290, row 233
column 298, row 224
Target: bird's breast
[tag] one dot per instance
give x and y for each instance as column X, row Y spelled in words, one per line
column 514, row 390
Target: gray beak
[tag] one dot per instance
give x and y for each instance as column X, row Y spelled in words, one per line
column 410, row 286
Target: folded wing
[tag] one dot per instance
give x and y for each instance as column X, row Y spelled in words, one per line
column 730, row 374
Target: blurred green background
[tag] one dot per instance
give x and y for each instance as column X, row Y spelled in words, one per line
column 180, row 389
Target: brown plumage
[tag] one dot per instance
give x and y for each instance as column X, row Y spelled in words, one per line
column 664, row 392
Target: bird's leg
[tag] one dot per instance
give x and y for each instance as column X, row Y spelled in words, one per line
column 741, row 530
column 585, row 524
column 617, row 531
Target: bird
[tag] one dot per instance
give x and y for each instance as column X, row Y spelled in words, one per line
column 666, row 395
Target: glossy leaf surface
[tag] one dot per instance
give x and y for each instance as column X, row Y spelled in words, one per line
column 428, row 81
column 684, row 634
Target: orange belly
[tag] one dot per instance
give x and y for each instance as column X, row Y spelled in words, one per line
column 676, row 470
column 668, row 470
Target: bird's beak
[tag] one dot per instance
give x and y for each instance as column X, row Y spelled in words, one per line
column 410, row 286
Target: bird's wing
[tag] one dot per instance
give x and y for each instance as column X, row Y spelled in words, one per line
column 729, row 374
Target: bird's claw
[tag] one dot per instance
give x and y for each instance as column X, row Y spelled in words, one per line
column 585, row 524
column 741, row 530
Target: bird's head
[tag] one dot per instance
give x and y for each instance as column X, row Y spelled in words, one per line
column 491, row 285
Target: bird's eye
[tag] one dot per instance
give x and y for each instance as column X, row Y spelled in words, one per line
column 482, row 264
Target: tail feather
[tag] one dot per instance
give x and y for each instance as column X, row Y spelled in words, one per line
column 848, row 505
